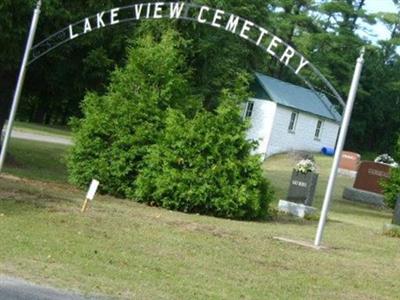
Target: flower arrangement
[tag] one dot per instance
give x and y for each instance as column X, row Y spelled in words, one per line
column 305, row 166
column 387, row 160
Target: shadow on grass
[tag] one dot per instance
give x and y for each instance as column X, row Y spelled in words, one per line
column 28, row 203
column 37, row 160
column 19, row 197
column 361, row 209
column 282, row 218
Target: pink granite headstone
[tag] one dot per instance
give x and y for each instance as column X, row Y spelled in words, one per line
column 369, row 176
column 350, row 161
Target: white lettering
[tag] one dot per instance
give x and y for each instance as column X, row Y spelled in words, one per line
column 303, row 63
column 378, row 173
column 262, row 34
column 217, row 17
column 157, row 10
column 232, row 23
column 200, row 17
column 148, row 11
column 273, row 44
column 114, row 16
column 87, row 27
column 72, row 35
column 299, row 183
column 288, row 55
column 246, row 27
column 100, row 22
column 138, row 10
column 176, row 10
column 349, row 157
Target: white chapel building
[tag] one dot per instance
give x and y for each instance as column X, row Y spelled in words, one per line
column 285, row 117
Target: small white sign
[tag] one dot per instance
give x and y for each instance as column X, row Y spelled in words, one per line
column 92, row 190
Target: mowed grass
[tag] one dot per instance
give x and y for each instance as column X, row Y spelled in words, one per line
column 37, row 160
column 128, row 250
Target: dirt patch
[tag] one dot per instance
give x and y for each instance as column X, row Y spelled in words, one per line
column 41, row 185
column 55, row 197
column 202, row 228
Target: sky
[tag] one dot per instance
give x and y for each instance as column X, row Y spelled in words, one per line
column 380, row 5
column 378, row 30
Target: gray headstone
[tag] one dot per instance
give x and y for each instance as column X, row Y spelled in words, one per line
column 362, row 196
column 302, row 188
column 396, row 215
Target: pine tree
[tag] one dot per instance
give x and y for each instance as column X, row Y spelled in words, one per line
column 204, row 165
column 119, row 127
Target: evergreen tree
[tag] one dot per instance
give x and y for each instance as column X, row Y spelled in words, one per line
column 118, row 127
column 203, row 165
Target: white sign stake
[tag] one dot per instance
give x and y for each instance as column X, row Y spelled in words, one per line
column 90, row 194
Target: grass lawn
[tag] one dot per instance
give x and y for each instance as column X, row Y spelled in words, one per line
column 37, row 160
column 128, row 250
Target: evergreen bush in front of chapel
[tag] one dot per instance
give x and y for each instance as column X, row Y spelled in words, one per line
column 203, row 165
column 149, row 139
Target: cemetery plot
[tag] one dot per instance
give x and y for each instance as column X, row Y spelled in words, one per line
column 302, row 188
column 349, row 163
column 367, row 186
column 369, row 176
column 393, row 229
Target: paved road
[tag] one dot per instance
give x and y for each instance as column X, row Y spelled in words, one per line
column 41, row 137
column 16, row 289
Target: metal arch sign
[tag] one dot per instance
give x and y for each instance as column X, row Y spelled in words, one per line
column 220, row 19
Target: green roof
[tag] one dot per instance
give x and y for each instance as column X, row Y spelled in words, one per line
column 296, row 97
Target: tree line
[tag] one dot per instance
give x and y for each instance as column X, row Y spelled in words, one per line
column 327, row 32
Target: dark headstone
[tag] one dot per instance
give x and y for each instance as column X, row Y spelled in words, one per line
column 350, row 161
column 369, row 176
column 302, row 188
column 396, row 215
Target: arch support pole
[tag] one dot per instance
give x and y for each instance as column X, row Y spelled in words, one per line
column 20, row 83
column 339, row 148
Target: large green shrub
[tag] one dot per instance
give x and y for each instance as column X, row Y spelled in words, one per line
column 392, row 188
column 203, row 165
column 117, row 128
column 147, row 138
